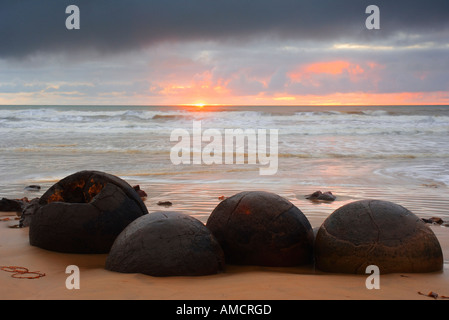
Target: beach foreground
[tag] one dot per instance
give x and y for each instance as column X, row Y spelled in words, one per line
column 396, row 154
column 236, row 283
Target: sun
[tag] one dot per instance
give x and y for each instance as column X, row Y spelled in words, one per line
column 199, row 105
column 195, row 106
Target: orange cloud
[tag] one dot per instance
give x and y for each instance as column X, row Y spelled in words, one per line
column 287, row 98
column 202, row 89
column 351, row 98
column 363, row 98
column 329, row 68
column 333, row 67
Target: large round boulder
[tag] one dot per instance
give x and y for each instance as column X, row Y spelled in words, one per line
column 262, row 228
column 166, row 244
column 84, row 213
column 375, row 232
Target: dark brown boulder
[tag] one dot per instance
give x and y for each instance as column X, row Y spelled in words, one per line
column 164, row 203
column 11, row 205
column 166, row 244
column 33, row 187
column 261, row 228
column 84, row 213
column 374, row 232
column 433, row 220
column 318, row 195
column 140, row 192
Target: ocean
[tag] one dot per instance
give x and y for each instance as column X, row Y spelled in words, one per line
column 396, row 153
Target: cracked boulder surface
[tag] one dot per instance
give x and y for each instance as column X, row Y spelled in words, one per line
column 376, row 232
column 166, row 243
column 84, row 213
column 262, row 228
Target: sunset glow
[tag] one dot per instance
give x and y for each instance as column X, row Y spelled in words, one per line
column 351, row 98
column 332, row 67
column 313, row 60
column 322, row 82
column 328, row 69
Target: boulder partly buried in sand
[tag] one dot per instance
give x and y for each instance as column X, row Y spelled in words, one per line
column 11, row 205
column 84, row 213
column 262, row 228
column 318, row 195
column 375, row 232
column 166, row 244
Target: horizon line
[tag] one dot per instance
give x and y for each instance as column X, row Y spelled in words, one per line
column 228, row 105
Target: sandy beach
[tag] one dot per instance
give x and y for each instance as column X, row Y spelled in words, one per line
column 357, row 153
column 236, row 283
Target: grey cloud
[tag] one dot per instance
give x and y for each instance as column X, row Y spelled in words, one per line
column 243, row 86
column 28, row 27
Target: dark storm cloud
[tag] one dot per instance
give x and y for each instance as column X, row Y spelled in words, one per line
column 28, row 27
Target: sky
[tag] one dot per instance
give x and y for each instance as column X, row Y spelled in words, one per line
column 224, row 52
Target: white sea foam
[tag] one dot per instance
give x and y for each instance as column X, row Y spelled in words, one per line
column 137, row 139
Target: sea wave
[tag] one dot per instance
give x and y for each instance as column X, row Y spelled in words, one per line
column 436, row 171
column 55, row 115
column 362, row 155
column 168, row 117
column 302, row 123
column 96, row 149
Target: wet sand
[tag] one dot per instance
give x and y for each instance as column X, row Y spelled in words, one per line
column 237, row 282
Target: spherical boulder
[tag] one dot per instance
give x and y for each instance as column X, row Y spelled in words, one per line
column 375, row 232
column 262, row 228
column 84, row 213
column 166, row 244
